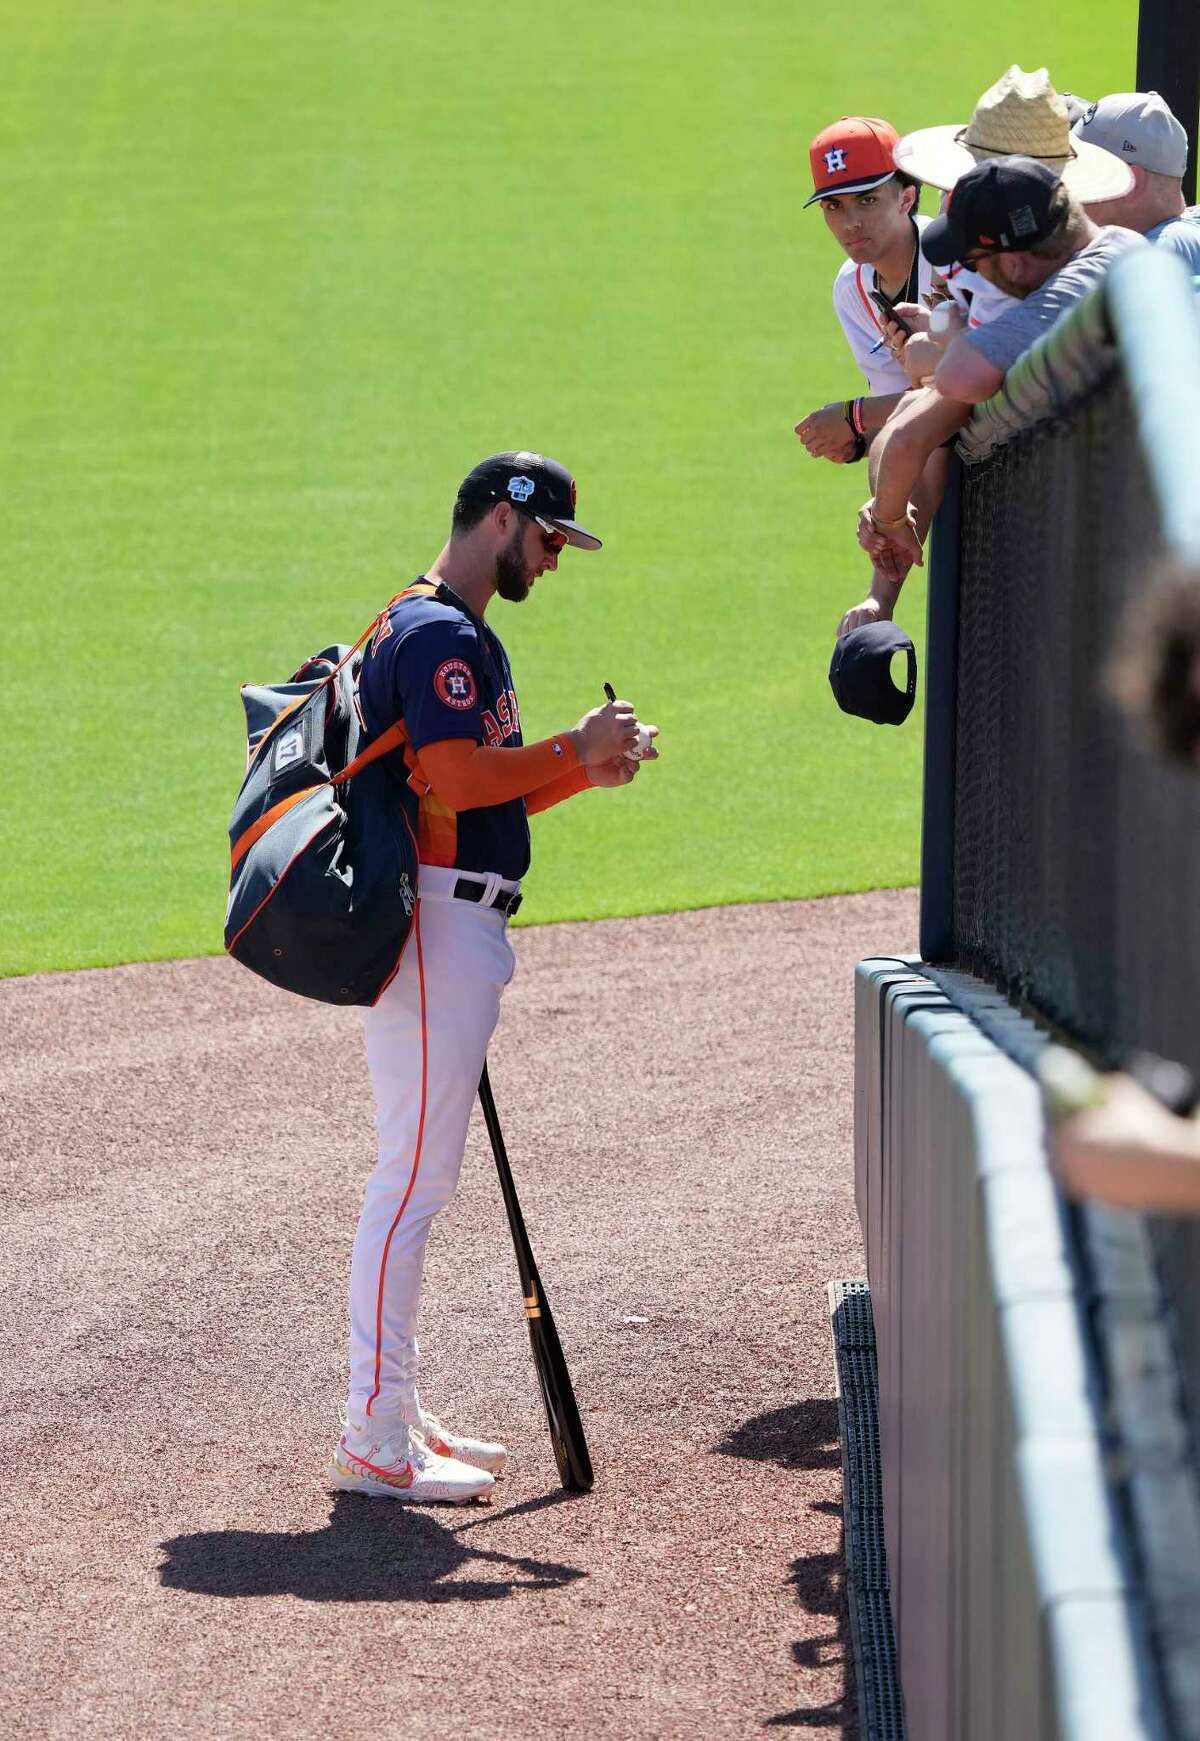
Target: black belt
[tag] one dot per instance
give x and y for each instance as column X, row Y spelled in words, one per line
column 505, row 902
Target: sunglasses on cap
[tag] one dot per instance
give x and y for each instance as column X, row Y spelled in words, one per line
column 552, row 538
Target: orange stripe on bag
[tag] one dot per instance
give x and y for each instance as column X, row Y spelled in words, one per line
column 268, row 818
column 395, row 734
column 301, row 700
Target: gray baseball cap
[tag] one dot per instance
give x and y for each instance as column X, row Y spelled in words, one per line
column 1137, row 127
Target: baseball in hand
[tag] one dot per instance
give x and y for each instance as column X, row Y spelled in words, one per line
column 645, row 738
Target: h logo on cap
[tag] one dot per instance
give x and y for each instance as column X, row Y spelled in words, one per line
column 835, row 160
column 520, row 489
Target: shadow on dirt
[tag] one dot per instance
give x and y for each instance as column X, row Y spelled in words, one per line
column 368, row 1553
column 820, row 1581
column 804, row 1435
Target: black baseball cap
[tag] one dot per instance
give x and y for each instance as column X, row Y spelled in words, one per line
column 860, row 673
column 538, row 486
column 1002, row 205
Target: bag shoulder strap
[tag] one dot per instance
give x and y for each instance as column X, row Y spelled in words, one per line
column 397, row 734
column 303, row 700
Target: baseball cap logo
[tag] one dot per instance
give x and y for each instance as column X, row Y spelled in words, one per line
column 835, row 160
column 521, row 488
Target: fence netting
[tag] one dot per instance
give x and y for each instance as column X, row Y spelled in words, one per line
column 1063, row 848
column 1076, row 883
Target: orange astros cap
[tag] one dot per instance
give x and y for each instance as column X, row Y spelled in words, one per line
column 851, row 156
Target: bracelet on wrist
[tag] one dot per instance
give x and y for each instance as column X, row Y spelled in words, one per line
column 890, row 525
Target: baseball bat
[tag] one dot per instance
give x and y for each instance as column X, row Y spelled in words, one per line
column 562, row 1413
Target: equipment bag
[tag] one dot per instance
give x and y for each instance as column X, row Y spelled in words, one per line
column 323, row 881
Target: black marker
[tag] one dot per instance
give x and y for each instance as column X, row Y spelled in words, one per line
column 610, row 692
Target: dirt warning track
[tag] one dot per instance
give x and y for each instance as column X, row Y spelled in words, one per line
column 183, row 1155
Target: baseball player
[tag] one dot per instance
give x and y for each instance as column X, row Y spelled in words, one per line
column 468, row 784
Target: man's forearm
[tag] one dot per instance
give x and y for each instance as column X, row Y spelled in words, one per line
column 924, row 420
column 873, row 413
column 929, row 490
column 884, row 589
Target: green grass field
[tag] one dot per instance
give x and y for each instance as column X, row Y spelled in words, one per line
column 275, row 275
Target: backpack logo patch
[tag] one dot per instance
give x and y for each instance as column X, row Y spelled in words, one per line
column 289, row 750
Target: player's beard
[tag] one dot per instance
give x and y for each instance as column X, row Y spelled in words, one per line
column 512, row 576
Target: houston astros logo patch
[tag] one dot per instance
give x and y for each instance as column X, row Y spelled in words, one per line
column 454, row 683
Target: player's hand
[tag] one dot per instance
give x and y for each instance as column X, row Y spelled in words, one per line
column 827, row 435
column 871, row 610
column 606, row 732
column 618, row 771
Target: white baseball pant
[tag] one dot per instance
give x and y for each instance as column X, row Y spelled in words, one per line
column 427, row 1039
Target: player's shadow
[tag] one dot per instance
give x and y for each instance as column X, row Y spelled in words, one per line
column 804, row 1435
column 369, row 1552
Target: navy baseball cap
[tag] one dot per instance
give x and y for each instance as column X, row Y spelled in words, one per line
column 860, row 673
column 538, row 486
column 1002, row 205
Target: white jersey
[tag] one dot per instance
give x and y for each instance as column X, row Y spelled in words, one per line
column 975, row 297
column 863, row 325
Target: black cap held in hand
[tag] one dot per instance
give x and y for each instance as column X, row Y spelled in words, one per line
column 860, row 673
column 1001, row 206
column 538, row 486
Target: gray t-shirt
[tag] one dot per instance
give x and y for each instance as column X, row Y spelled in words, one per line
column 1003, row 340
column 1182, row 236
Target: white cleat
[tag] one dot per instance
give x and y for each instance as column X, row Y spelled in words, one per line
column 389, row 1460
column 478, row 1453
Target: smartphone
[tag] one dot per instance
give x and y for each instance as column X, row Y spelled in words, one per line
column 887, row 309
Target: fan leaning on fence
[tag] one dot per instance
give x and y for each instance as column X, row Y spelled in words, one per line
column 1013, row 221
column 867, row 182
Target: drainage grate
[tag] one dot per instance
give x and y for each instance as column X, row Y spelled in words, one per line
column 866, row 1552
column 880, row 1704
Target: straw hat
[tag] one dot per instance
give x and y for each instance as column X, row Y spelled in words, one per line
column 1022, row 115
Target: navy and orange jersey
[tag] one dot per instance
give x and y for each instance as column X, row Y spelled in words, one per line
column 436, row 666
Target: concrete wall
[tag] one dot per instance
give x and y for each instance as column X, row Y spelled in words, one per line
column 1017, row 1589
